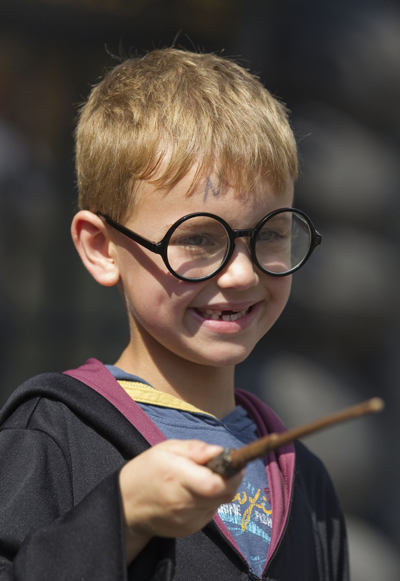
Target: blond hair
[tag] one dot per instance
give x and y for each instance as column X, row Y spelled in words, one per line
column 154, row 117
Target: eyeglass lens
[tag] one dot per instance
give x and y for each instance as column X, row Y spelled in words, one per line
column 199, row 245
column 283, row 242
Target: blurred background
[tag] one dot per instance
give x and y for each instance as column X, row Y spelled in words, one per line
column 337, row 66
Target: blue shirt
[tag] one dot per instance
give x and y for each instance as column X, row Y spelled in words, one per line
column 248, row 516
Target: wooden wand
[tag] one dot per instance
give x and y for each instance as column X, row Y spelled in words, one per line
column 231, row 461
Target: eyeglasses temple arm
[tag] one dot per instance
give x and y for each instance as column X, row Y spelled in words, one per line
column 152, row 246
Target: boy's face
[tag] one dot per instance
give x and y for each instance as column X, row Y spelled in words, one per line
column 187, row 318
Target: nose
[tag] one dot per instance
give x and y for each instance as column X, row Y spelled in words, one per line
column 240, row 272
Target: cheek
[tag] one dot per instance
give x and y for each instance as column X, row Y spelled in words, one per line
column 287, row 285
column 157, row 300
column 279, row 291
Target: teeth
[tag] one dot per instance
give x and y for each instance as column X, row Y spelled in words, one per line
column 217, row 315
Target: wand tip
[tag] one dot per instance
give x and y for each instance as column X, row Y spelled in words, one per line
column 376, row 404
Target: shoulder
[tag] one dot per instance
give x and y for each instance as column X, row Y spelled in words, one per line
column 309, row 466
column 66, row 409
column 29, row 397
column 53, row 407
column 313, row 483
column 47, row 393
column 47, row 411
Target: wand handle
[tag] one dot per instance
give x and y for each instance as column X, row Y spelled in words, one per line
column 231, row 461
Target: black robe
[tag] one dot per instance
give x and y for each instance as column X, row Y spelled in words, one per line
column 61, row 448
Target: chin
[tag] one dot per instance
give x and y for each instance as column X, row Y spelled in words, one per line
column 223, row 357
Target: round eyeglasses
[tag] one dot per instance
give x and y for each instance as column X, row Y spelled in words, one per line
column 198, row 246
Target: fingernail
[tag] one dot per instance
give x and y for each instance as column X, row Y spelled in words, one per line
column 214, row 448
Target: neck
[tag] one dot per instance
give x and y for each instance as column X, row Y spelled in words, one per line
column 208, row 388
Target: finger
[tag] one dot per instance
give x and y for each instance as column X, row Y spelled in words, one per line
column 201, row 481
column 188, row 458
column 198, row 451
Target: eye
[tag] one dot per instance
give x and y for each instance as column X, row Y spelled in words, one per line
column 272, row 235
column 200, row 236
column 195, row 240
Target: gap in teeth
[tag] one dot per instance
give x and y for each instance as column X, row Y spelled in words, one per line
column 223, row 315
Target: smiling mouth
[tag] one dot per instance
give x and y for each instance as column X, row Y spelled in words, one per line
column 216, row 315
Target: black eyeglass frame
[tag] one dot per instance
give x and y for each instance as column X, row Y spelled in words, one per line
column 161, row 247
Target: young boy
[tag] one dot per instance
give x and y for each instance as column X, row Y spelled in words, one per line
column 185, row 168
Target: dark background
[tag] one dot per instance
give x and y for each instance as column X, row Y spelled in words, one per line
column 337, row 66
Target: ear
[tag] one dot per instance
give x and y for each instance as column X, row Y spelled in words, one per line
column 95, row 247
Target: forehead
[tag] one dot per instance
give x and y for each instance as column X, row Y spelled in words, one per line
column 166, row 205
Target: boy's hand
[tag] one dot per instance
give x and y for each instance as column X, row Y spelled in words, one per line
column 167, row 491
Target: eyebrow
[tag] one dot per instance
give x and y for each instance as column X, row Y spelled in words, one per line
column 200, row 221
